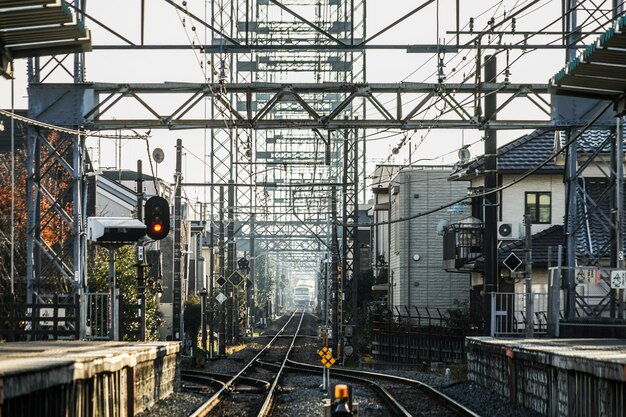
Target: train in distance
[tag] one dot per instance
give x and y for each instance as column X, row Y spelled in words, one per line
column 303, row 296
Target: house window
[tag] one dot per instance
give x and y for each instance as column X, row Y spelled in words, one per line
column 539, row 206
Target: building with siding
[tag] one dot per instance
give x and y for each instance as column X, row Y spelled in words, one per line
column 379, row 213
column 415, row 246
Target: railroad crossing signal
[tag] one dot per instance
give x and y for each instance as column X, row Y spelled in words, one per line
column 327, row 357
column 236, row 278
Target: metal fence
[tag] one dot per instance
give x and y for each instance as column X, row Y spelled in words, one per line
column 51, row 317
column 590, row 292
column 509, row 315
column 417, row 335
column 98, row 317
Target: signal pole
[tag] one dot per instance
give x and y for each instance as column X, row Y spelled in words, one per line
column 334, row 273
column 177, row 284
column 211, row 280
column 232, row 304
column 141, row 285
column 491, row 201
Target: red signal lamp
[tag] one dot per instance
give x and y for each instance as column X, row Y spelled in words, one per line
column 157, row 217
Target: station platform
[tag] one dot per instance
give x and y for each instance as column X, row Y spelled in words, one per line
column 554, row 377
column 78, row 378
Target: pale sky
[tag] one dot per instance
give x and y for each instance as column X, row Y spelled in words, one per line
column 164, row 25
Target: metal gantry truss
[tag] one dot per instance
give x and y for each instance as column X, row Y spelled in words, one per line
column 56, row 248
column 400, row 106
column 279, row 75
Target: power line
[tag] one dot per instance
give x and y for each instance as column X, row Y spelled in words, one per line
column 37, row 123
column 502, row 187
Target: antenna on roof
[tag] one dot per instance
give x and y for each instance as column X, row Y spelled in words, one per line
column 464, row 155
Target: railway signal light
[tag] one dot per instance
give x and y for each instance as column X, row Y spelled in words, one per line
column 243, row 264
column 157, row 217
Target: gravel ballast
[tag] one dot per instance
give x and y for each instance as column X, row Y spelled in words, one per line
column 300, row 394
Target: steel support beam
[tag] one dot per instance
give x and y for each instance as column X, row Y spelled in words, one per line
column 103, row 115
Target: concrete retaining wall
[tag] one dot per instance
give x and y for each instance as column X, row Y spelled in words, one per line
column 556, row 378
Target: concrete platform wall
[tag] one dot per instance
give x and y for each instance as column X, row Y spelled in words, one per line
column 552, row 380
column 85, row 379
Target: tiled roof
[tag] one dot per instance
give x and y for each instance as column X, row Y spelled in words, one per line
column 552, row 237
column 542, row 241
column 520, row 155
column 528, row 151
column 591, row 139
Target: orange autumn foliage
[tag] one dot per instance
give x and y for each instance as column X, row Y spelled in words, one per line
column 55, row 185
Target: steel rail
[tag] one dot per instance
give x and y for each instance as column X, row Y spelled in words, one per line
column 267, row 405
column 395, row 407
column 203, row 379
column 224, row 378
column 215, row 399
column 210, row 404
column 438, row 396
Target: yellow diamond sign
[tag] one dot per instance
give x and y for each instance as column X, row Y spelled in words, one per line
column 327, row 357
column 323, row 351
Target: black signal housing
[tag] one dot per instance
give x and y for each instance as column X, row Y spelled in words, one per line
column 157, row 217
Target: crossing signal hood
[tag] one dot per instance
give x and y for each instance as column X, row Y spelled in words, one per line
column 157, row 217
column 341, row 406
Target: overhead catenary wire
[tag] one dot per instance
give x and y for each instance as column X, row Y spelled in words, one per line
column 470, row 75
column 60, row 129
column 443, row 110
column 502, row 187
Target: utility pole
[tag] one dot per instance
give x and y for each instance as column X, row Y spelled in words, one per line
column 220, row 243
column 141, row 283
column 211, row 281
column 528, row 276
column 571, row 179
column 334, row 273
column 232, row 302
column 490, row 248
column 177, row 295
column 619, row 207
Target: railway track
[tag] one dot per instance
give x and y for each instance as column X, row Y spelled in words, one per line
column 252, row 391
column 395, row 407
column 251, row 402
column 372, row 379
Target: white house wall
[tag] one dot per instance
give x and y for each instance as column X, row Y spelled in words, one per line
column 596, row 169
column 513, row 199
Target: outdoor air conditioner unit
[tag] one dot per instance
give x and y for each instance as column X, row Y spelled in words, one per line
column 508, row 231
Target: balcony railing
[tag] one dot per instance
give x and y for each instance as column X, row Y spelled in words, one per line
column 463, row 244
